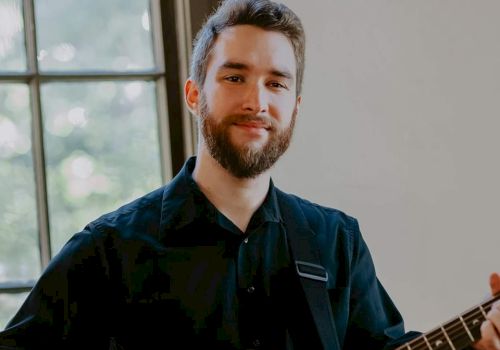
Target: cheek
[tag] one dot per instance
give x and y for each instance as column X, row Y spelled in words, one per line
column 284, row 109
column 226, row 100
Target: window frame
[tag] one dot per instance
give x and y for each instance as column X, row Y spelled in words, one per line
column 170, row 20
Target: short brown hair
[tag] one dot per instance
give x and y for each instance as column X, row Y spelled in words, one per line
column 264, row 14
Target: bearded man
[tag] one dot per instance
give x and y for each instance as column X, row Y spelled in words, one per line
column 219, row 257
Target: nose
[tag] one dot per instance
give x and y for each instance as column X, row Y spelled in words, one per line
column 255, row 99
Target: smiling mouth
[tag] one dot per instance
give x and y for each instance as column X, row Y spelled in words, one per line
column 255, row 125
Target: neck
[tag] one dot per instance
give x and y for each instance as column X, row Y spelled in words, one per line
column 234, row 197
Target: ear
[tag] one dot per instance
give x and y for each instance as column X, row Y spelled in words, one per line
column 299, row 101
column 192, row 96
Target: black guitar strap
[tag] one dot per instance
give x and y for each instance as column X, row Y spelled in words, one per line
column 313, row 276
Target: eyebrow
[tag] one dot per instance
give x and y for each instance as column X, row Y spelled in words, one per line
column 242, row 66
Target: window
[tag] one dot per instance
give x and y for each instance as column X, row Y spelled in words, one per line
column 84, row 128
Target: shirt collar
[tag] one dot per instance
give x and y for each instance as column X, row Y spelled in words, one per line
column 183, row 202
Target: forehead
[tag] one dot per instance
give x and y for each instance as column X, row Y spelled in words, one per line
column 255, row 47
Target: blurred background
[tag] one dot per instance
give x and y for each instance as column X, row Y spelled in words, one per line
column 398, row 128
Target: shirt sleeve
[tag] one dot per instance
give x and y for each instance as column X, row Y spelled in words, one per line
column 374, row 321
column 66, row 307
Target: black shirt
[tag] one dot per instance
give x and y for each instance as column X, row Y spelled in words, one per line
column 260, row 299
column 168, row 271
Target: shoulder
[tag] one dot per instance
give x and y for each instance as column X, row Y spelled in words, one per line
column 337, row 235
column 322, row 217
column 140, row 216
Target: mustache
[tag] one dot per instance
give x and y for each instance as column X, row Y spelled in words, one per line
column 270, row 123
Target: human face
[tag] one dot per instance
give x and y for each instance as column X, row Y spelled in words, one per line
column 243, row 161
column 248, row 102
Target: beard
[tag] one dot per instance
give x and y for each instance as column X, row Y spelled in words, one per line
column 245, row 161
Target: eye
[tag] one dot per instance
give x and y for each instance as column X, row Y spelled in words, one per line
column 234, row 79
column 277, row 85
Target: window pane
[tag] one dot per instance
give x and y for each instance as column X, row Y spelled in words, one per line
column 19, row 256
column 94, row 35
column 101, row 147
column 12, row 50
column 9, row 304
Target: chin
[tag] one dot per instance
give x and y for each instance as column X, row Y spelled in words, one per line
column 251, row 144
column 253, row 147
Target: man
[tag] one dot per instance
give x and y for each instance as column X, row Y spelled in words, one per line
column 219, row 257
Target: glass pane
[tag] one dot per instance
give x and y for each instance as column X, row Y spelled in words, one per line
column 101, row 150
column 94, row 35
column 19, row 256
column 9, row 304
column 12, row 49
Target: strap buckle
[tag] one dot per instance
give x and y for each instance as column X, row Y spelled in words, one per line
column 312, row 271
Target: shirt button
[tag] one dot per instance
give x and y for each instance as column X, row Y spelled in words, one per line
column 245, row 240
column 251, row 289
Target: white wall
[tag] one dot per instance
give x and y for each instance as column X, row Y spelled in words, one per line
column 399, row 127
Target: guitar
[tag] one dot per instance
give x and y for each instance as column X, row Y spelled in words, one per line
column 455, row 334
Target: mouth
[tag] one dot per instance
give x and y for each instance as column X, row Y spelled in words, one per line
column 254, row 125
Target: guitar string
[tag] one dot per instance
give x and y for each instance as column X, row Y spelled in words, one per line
column 438, row 335
column 468, row 316
column 455, row 327
column 455, row 324
column 433, row 337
